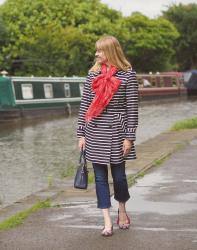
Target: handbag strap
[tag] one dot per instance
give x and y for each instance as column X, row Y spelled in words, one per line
column 82, row 159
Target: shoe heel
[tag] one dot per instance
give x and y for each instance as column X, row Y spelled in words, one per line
column 123, row 226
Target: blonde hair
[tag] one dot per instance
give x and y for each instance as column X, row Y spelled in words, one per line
column 113, row 52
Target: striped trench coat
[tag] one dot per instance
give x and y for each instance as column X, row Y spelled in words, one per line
column 104, row 135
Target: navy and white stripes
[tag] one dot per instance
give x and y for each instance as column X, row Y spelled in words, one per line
column 105, row 134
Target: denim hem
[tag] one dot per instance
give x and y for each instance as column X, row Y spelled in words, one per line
column 104, row 207
column 123, row 201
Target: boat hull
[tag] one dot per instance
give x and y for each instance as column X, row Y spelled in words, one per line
column 39, row 97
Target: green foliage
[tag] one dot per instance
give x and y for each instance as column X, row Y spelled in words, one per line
column 57, row 51
column 91, row 177
column 43, row 38
column 131, row 180
column 3, row 32
column 3, row 37
column 54, row 37
column 158, row 162
column 150, row 41
column 18, row 218
column 184, row 17
column 69, row 170
column 57, row 37
column 185, row 124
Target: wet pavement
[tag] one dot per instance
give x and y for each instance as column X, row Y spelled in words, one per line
column 163, row 211
column 36, row 155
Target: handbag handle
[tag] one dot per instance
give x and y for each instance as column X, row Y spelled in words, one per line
column 82, row 159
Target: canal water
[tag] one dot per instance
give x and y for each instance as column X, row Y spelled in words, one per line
column 36, row 155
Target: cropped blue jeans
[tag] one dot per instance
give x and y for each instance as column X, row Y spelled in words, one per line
column 120, row 185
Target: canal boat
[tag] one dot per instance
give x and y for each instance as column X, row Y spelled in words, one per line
column 27, row 97
column 166, row 85
column 190, row 80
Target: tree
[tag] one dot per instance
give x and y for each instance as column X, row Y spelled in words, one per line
column 63, row 29
column 3, row 40
column 56, row 51
column 149, row 42
column 184, row 17
column 57, row 37
column 3, row 32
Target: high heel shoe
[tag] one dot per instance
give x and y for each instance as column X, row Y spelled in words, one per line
column 124, row 225
column 107, row 232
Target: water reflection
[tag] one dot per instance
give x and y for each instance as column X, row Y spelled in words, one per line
column 34, row 154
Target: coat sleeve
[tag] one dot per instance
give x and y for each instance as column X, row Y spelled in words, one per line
column 132, row 106
column 85, row 103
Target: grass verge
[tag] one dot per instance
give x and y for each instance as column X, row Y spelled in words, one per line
column 158, row 162
column 185, row 124
column 69, row 171
column 132, row 179
column 90, row 177
column 19, row 218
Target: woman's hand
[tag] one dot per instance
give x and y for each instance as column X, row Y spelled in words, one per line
column 127, row 144
column 81, row 143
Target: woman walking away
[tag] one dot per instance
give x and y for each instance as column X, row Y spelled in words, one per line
column 107, row 123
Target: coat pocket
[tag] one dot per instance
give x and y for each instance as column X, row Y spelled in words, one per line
column 122, row 121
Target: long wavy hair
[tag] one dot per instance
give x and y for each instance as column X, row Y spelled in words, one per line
column 113, row 52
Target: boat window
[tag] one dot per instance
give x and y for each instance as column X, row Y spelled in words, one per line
column 27, row 91
column 48, row 90
column 67, row 89
column 81, row 86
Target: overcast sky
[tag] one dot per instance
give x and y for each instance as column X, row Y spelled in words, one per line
column 151, row 8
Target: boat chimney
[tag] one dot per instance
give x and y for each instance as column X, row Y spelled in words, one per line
column 4, row 73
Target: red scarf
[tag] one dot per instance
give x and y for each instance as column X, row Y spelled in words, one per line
column 104, row 86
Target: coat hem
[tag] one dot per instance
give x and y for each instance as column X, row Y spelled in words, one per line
column 108, row 163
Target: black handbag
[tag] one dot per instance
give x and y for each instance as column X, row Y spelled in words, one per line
column 81, row 176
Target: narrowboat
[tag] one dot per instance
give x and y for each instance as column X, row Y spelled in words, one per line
column 190, row 80
column 165, row 85
column 27, row 97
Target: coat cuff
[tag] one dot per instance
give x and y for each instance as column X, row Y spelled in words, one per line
column 80, row 131
column 130, row 134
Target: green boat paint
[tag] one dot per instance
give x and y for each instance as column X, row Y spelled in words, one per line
column 22, row 97
column 25, row 97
